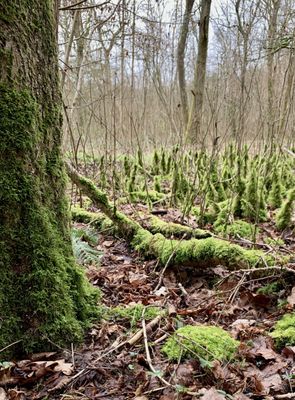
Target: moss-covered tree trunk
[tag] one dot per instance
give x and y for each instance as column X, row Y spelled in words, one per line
column 44, row 297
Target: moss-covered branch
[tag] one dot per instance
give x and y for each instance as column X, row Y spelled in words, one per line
column 157, row 225
column 207, row 252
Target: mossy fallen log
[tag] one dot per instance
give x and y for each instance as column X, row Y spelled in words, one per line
column 204, row 253
column 157, row 225
column 150, row 222
column 97, row 219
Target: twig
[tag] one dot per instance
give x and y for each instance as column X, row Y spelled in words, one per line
column 148, row 356
column 291, row 154
column 10, row 345
column 113, row 348
column 140, row 333
column 285, row 396
column 182, row 289
column 73, row 355
column 237, row 288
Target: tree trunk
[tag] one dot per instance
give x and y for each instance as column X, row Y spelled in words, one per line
column 180, row 60
column 44, row 297
column 200, row 72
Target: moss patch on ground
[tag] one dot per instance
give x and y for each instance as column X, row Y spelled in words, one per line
column 205, row 342
column 237, row 229
column 284, row 331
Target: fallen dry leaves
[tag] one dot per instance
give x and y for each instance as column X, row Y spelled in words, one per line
column 103, row 368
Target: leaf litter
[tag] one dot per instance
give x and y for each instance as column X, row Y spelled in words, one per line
column 118, row 361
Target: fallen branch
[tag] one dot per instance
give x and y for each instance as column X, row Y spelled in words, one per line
column 200, row 253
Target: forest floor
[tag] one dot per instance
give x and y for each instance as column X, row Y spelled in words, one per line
column 115, row 363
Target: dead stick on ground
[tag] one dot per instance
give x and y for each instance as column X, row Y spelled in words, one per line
column 140, row 333
column 10, row 345
column 149, row 361
column 135, row 338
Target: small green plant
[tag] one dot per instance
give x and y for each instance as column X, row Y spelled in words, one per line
column 134, row 313
column 270, row 288
column 237, row 229
column 274, row 242
column 205, row 342
column 82, row 242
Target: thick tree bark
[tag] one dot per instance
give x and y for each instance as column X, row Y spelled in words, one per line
column 44, row 297
column 200, row 72
column 180, row 59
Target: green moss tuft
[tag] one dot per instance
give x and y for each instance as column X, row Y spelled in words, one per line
column 205, row 342
column 284, row 331
column 96, row 219
column 156, row 225
column 275, row 194
column 284, row 216
column 238, row 229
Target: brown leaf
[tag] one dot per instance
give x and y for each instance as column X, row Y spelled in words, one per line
column 140, row 398
column 42, row 356
column 3, row 395
column 289, row 352
column 241, row 325
column 211, row 394
column 136, row 279
column 262, row 347
column 184, row 374
column 108, row 243
column 16, row 395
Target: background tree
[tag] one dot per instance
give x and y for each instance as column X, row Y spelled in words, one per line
column 200, row 71
column 44, row 297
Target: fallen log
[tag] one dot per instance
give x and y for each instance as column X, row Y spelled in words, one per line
column 199, row 253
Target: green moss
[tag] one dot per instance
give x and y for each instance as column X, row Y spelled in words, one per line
column 96, row 219
column 254, row 204
column 274, row 242
column 156, row 163
column 156, row 225
column 238, row 204
column 208, row 217
column 157, row 184
column 202, row 252
column 205, row 342
column 35, row 247
column 135, row 313
column 153, row 195
column 275, row 194
column 284, row 216
column 284, row 331
column 223, row 218
column 269, row 289
column 238, row 229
